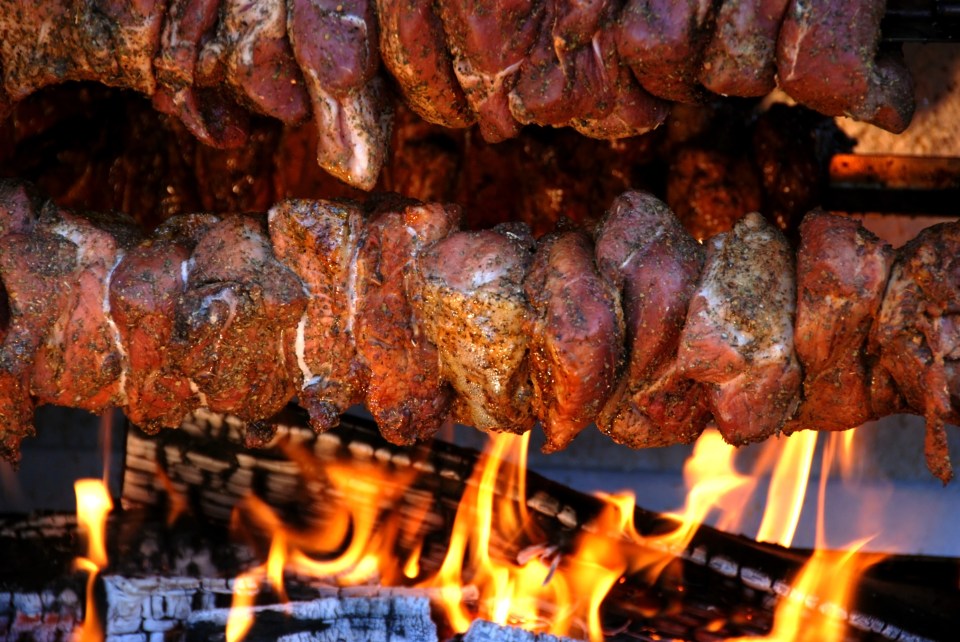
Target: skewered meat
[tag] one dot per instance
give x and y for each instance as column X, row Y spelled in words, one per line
column 236, row 317
column 827, row 59
column 335, row 44
column 405, row 392
column 414, row 50
column 842, row 273
column 489, row 41
column 144, row 294
column 663, row 44
column 576, row 336
column 739, row 332
column 211, row 316
column 468, row 292
column 251, row 52
column 648, row 257
column 320, row 241
column 917, row 334
column 740, row 59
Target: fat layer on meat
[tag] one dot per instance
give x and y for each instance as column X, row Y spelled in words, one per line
column 405, row 392
column 644, row 252
column 739, row 331
column 741, row 57
column 468, row 293
column 489, row 41
column 144, row 294
column 320, row 242
column 576, row 336
column 335, row 44
column 842, row 272
column 235, row 319
column 917, row 334
column 414, row 49
column 827, row 60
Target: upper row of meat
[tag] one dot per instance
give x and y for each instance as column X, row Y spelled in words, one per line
column 608, row 68
column 638, row 327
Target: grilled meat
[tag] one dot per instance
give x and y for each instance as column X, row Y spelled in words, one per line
column 738, row 337
column 654, row 264
column 576, row 336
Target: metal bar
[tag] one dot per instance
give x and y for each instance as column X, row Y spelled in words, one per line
column 887, row 183
column 921, row 21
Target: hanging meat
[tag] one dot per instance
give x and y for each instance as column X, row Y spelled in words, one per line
column 606, row 68
column 334, row 304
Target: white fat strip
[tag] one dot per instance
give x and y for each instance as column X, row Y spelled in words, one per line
column 351, row 285
column 716, row 302
column 792, row 52
column 225, row 296
column 300, row 346
column 117, row 338
column 185, row 268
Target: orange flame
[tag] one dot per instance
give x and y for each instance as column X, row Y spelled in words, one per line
column 788, row 489
column 93, row 507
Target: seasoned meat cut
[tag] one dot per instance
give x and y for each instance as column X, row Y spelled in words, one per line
column 405, row 392
column 468, row 292
column 576, row 336
column 320, row 241
column 917, row 334
column 842, row 274
column 827, row 59
column 654, row 264
column 738, row 337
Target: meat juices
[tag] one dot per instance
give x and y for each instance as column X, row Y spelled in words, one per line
column 240, row 309
column 827, row 59
column 414, row 50
column 320, row 241
column 662, row 41
column 741, row 57
column 144, row 292
column 405, row 393
column 842, row 274
column 739, row 332
column 576, row 336
column 917, row 334
column 335, row 44
column 489, row 41
column 467, row 291
column 644, row 252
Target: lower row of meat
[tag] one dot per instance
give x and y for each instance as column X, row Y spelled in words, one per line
column 608, row 68
column 638, row 327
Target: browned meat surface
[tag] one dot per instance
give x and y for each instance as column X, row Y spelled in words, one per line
column 81, row 361
column 144, row 293
column 235, row 319
column 827, row 60
column 576, row 336
column 335, row 44
column 319, row 241
column 405, row 393
column 564, row 75
column 48, row 43
column 740, row 59
column 710, row 189
column 739, row 332
column 414, row 50
column 489, row 40
column 663, row 41
column 917, row 334
column 648, row 257
column 842, row 272
column 634, row 110
column 467, row 291
column 251, row 52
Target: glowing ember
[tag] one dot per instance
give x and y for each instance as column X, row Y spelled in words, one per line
column 93, row 507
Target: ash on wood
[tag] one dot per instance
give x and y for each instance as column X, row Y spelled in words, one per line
column 485, row 631
column 359, row 619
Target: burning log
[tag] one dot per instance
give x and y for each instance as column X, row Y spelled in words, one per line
column 485, row 631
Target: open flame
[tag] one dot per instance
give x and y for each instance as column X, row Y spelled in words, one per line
column 497, row 564
column 93, row 507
